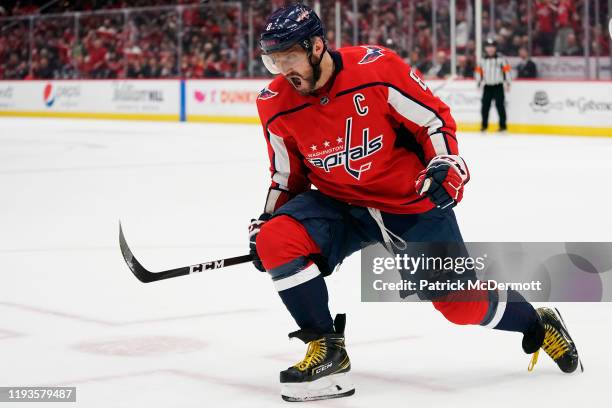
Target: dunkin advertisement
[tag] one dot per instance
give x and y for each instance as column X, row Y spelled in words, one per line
column 230, row 100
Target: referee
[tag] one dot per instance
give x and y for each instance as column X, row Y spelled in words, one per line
column 494, row 71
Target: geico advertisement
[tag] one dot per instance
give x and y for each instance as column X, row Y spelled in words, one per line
column 229, row 97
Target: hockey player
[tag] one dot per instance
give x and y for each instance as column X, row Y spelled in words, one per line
column 381, row 150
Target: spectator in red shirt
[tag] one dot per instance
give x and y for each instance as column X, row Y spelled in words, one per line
column 545, row 28
column 96, row 59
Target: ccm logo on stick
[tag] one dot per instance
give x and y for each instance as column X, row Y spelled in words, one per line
column 206, row 266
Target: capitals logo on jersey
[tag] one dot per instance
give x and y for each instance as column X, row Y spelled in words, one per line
column 372, row 54
column 350, row 154
column 266, row 94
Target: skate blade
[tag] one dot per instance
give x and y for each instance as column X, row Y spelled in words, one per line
column 567, row 330
column 332, row 386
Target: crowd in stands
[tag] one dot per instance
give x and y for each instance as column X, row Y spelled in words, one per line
column 111, row 43
column 208, row 39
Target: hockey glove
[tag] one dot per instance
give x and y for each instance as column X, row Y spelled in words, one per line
column 443, row 180
column 254, row 229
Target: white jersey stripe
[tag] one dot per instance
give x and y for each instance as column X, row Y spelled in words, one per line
column 302, row 276
column 439, row 144
column 281, row 161
column 414, row 112
column 273, row 196
column 501, row 308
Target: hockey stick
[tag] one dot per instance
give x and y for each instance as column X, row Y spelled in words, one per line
column 146, row 276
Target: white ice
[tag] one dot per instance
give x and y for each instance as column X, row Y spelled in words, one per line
column 72, row 314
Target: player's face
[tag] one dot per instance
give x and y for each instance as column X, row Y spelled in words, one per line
column 490, row 50
column 294, row 66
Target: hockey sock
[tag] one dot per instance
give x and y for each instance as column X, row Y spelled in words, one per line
column 518, row 314
column 284, row 247
column 307, row 303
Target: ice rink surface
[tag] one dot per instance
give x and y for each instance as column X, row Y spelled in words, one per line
column 72, row 314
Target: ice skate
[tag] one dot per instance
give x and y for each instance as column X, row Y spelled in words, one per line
column 324, row 371
column 556, row 342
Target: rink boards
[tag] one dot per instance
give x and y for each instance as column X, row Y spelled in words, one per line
column 582, row 108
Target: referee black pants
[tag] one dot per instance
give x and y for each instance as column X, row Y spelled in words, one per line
column 493, row 92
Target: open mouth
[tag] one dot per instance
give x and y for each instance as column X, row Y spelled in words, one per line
column 296, row 81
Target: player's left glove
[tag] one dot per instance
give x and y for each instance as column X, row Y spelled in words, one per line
column 443, row 180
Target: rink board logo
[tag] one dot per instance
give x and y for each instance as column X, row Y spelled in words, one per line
column 126, row 92
column 48, row 95
column 199, row 96
column 216, row 96
column 542, row 103
column 67, row 94
column 372, row 54
column 6, row 93
column 6, row 97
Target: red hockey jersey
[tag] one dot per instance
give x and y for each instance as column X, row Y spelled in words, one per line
column 362, row 139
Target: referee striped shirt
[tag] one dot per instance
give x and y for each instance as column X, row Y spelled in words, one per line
column 493, row 70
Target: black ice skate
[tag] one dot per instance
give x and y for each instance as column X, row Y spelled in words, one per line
column 553, row 337
column 324, row 371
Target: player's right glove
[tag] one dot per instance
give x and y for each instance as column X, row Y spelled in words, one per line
column 254, row 229
column 443, row 180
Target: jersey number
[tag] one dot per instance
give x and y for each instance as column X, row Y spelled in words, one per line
column 418, row 80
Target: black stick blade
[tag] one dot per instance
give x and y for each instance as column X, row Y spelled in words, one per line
column 137, row 269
